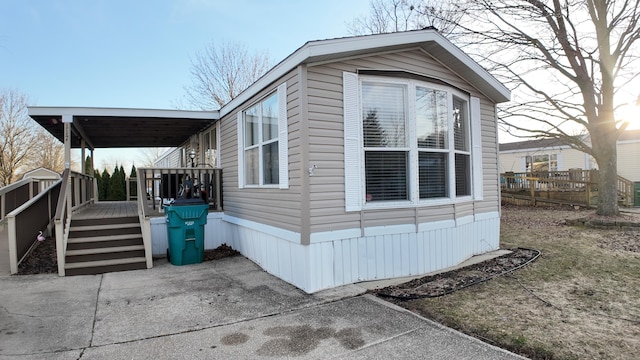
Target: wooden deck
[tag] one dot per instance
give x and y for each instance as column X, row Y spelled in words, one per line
column 107, row 209
column 114, row 209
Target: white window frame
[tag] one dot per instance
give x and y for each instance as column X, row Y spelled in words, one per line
column 549, row 161
column 282, row 138
column 205, row 155
column 355, row 184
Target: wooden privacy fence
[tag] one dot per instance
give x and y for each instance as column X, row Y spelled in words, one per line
column 573, row 187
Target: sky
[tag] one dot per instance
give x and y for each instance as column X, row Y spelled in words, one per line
column 137, row 53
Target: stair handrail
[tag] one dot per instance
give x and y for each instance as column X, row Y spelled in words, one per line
column 62, row 220
column 24, row 222
column 145, row 222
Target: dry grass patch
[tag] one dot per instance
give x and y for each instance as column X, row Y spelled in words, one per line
column 577, row 301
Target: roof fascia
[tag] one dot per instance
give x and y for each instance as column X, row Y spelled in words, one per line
column 536, row 149
column 122, row 112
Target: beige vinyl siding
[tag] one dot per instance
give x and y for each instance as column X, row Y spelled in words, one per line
column 275, row 207
column 490, row 176
column 389, row 217
column 628, row 164
column 326, row 146
column 171, row 160
column 436, row 213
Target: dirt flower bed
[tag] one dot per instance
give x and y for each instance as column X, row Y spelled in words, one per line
column 42, row 260
column 221, row 252
column 578, row 300
column 448, row 282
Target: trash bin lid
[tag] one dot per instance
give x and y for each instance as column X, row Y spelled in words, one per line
column 193, row 201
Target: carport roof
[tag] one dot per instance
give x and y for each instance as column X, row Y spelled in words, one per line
column 119, row 127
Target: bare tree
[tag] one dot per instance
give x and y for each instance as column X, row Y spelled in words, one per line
column 387, row 16
column 221, row 72
column 148, row 156
column 48, row 152
column 567, row 63
column 17, row 137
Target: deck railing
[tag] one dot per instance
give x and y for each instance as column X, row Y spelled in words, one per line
column 25, row 221
column 163, row 185
column 132, row 188
column 14, row 195
column 625, row 191
column 570, row 187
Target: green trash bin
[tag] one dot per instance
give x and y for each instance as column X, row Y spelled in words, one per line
column 185, row 228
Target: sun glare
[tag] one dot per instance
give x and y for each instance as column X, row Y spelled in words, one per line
column 631, row 114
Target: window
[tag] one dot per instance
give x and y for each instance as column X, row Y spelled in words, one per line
column 413, row 141
column 541, row 163
column 386, row 151
column 210, row 141
column 262, row 142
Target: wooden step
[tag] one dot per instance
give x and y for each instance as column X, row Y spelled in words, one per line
column 94, row 232
column 105, row 221
column 107, row 253
column 104, row 250
column 104, row 266
column 90, row 239
column 97, row 246
column 104, row 227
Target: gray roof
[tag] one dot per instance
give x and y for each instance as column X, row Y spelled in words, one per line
column 628, row 135
column 532, row 144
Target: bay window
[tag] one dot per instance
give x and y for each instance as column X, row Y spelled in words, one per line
column 412, row 141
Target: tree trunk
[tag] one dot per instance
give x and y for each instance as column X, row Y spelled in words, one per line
column 608, row 175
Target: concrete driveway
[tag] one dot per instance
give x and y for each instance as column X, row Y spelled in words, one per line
column 224, row 309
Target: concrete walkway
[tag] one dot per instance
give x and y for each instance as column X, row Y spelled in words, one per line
column 225, row 309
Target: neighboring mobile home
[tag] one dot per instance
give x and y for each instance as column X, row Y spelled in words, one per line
column 353, row 159
column 553, row 155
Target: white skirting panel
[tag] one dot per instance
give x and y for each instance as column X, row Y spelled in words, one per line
column 384, row 252
column 213, row 234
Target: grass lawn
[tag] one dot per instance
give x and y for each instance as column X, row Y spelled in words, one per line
column 579, row 300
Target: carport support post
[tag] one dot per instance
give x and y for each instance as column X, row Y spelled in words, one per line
column 83, row 167
column 95, row 181
column 67, row 120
